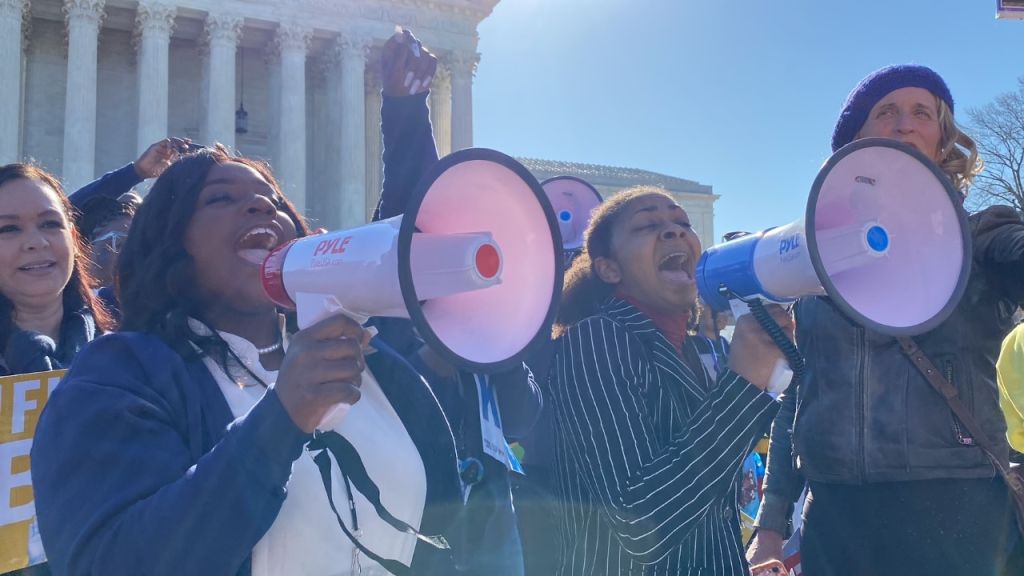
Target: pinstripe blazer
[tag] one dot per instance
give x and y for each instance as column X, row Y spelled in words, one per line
column 648, row 451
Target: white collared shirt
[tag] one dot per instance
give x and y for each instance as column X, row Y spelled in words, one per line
column 305, row 538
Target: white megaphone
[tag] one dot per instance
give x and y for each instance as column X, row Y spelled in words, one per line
column 573, row 200
column 884, row 237
column 474, row 263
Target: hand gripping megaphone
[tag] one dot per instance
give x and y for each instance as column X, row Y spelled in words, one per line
column 573, row 200
column 884, row 237
column 474, row 263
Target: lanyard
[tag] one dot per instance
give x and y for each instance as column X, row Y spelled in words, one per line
column 348, row 459
column 357, row 568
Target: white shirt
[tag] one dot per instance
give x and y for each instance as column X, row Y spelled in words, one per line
column 305, row 538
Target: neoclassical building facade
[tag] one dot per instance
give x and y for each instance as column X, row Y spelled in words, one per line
column 698, row 199
column 87, row 85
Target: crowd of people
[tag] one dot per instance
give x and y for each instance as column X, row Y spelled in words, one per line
column 198, row 430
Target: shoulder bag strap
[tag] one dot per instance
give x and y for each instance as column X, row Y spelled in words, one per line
column 949, row 392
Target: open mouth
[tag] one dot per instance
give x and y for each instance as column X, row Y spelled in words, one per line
column 675, row 267
column 256, row 244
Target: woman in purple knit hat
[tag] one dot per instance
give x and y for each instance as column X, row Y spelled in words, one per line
column 896, row 484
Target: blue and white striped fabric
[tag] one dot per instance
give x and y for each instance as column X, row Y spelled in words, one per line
column 648, row 451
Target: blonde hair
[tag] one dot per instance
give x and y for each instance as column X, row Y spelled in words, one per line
column 957, row 151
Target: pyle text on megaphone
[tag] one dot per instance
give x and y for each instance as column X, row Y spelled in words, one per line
column 884, row 237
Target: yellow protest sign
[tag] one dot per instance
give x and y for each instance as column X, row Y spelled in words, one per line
column 21, row 402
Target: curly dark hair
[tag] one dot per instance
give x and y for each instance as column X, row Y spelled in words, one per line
column 77, row 295
column 156, row 276
column 583, row 291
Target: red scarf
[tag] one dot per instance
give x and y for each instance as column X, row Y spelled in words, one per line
column 672, row 326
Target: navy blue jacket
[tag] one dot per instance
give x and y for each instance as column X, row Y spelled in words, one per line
column 138, row 466
column 28, row 351
column 111, row 185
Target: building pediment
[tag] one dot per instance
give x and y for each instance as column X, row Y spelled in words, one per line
column 603, row 176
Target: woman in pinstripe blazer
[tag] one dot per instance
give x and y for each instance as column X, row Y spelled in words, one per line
column 649, row 445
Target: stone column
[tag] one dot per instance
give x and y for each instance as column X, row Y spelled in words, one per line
column 202, row 49
column 374, row 142
column 462, row 66
column 353, row 50
column 293, row 42
column 26, row 46
column 11, row 18
column 272, row 58
column 83, row 21
column 154, row 23
column 222, row 34
column 329, row 195
column 709, row 224
column 318, row 136
column 441, row 109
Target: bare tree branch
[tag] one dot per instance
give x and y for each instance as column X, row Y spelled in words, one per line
column 998, row 130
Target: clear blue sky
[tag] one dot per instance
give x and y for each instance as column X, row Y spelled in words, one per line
column 740, row 95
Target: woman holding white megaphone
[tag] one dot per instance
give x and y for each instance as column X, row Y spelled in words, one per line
column 898, row 483
column 196, row 441
column 649, row 445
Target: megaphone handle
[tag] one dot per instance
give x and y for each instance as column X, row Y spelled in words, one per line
column 778, row 336
column 782, row 376
column 311, row 308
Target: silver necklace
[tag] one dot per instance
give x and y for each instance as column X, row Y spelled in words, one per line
column 270, row 349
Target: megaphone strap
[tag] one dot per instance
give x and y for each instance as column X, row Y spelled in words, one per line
column 348, row 460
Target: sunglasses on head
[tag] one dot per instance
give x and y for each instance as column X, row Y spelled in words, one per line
column 189, row 147
column 113, row 239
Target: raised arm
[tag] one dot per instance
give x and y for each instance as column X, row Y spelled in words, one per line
column 409, row 151
column 111, row 185
column 150, row 164
column 652, row 495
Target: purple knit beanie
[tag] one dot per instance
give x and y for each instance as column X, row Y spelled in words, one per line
column 874, row 87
